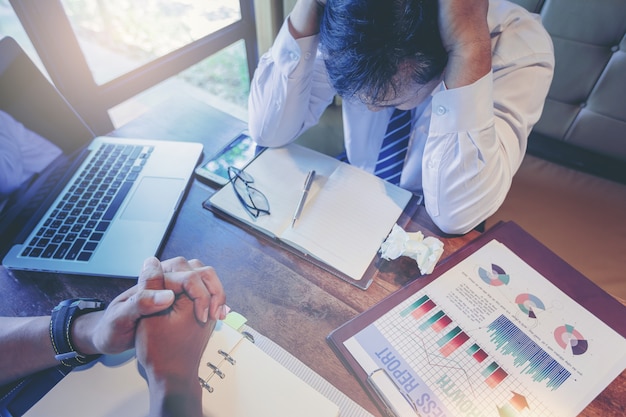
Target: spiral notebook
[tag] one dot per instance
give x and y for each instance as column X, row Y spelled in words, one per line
column 238, row 379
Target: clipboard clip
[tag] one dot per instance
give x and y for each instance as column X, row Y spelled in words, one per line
column 397, row 402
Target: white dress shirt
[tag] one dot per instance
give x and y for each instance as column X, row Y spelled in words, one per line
column 23, row 153
column 466, row 143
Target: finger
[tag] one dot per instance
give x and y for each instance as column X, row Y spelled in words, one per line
column 151, row 276
column 176, row 272
column 205, row 289
column 124, row 296
column 218, row 296
column 218, row 309
column 176, row 264
column 223, row 311
column 199, row 292
column 199, row 282
column 191, row 284
column 196, row 264
column 148, row 302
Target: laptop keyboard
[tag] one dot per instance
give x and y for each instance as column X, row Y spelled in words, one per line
column 73, row 230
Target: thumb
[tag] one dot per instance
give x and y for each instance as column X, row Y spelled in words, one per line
column 151, row 276
column 148, row 302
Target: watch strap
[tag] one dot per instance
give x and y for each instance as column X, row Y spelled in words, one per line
column 63, row 316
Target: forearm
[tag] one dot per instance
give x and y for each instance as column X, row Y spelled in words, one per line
column 304, row 19
column 26, row 347
column 466, row 36
column 465, row 190
column 175, row 398
column 468, row 65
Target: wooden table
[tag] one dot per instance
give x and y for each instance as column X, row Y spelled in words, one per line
column 285, row 298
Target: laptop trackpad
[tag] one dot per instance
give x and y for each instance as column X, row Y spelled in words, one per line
column 154, row 200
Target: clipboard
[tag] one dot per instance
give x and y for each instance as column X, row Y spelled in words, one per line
column 389, row 397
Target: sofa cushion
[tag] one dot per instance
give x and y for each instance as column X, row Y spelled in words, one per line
column 585, row 107
column 580, row 217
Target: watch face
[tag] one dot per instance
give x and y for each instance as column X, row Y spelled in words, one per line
column 89, row 304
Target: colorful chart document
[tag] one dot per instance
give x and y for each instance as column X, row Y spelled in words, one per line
column 489, row 337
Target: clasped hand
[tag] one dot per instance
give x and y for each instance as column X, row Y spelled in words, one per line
column 168, row 317
column 176, row 286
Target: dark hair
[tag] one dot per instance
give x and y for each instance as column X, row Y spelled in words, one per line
column 366, row 42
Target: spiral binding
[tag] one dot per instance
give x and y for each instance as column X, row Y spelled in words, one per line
column 216, row 370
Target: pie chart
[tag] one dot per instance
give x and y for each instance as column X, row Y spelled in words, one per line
column 529, row 304
column 570, row 339
column 495, row 277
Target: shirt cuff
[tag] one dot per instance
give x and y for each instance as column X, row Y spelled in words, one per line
column 467, row 108
column 294, row 57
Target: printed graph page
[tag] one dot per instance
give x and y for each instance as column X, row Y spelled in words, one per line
column 492, row 337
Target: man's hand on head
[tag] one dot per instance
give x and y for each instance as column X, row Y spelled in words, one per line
column 465, row 35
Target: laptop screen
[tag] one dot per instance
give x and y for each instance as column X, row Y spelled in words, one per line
column 28, row 96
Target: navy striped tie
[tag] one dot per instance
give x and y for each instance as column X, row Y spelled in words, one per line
column 393, row 150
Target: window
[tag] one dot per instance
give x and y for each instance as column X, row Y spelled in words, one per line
column 113, row 59
column 10, row 26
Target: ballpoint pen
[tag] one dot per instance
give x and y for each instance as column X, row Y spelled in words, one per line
column 305, row 192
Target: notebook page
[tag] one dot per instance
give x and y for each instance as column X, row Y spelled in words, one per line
column 279, row 174
column 347, row 218
column 254, row 385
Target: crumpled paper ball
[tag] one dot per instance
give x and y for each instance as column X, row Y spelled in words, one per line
column 425, row 251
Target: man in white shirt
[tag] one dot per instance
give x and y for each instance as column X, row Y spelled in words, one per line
column 474, row 73
column 23, row 153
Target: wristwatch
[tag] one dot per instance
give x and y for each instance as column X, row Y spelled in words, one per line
column 63, row 316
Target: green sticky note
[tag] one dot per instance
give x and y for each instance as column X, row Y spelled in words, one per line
column 235, row 320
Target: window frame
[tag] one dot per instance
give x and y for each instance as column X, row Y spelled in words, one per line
column 49, row 29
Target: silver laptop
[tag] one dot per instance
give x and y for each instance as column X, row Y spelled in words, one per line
column 104, row 205
column 113, row 212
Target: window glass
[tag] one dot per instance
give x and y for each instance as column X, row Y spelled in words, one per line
column 220, row 80
column 11, row 26
column 118, row 36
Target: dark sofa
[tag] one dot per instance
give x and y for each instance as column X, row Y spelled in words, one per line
column 570, row 191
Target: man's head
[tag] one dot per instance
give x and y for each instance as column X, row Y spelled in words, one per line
column 382, row 52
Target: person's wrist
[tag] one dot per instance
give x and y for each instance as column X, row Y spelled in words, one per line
column 83, row 332
column 468, row 63
column 175, row 394
column 66, row 340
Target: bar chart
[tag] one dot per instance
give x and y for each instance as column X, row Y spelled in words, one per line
column 510, row 340
column 479, row 341
column 466, row 373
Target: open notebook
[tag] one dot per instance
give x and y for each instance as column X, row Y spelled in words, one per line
column 346, row 217
column 242, row 381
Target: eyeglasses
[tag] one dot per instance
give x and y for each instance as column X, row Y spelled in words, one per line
column 253, row 200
